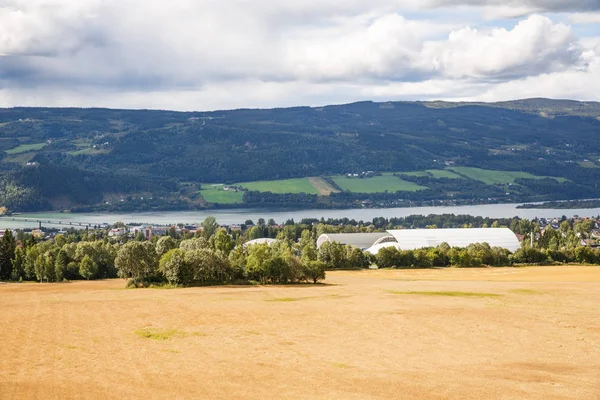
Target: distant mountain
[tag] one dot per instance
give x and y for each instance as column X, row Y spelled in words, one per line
column 543, row 107
column 68, row 157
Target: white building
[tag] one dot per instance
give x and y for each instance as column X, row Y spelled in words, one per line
column 411, row 239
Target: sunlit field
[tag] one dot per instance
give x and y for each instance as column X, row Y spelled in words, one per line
column 494, row 333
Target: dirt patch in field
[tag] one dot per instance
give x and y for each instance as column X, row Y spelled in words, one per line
column 324, row 188
column 509, row 333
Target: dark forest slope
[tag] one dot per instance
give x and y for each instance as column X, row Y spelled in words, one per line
column 119, row 151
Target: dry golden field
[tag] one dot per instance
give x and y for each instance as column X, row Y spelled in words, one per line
column 507, row 333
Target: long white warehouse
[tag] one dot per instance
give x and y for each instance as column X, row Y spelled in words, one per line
column 410, row 239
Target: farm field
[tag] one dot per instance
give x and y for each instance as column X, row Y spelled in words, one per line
column 422, row 174
column 494, row 333
column 443, row 173
column 377, row 184
column 492, row 177
column 216, row 194
column 24, row 148
column 324, row 188
column 298, row 185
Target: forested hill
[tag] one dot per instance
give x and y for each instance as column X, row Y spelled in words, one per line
column 77, row 156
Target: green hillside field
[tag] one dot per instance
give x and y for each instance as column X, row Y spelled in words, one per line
column 378, row 184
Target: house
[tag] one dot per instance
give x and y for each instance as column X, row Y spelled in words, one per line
column 117, row 232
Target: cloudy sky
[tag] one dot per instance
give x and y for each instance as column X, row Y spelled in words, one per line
column 216, row 54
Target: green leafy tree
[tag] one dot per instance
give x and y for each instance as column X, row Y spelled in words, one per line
column 18, row 265
column 223, row 242
column 140, row 237
column 136, row 260
column 164, row 244
column 333, row 255
column 60, row 265
column 207, row 266
column 7, row 254
column 60, row 241
column 194, row 244
column 88, row 268
column 255, row 267
column 209, row 227
column 173, row 267
column 314, row 270
column 254, row 233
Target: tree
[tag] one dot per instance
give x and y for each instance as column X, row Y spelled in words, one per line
column 194, row 244
column 314, row 270
column 18, row 265
column 333, row 254
column 140, row 237
column 60, row 241
column 254, row 233
column 223, row 243
column 207, row 266
column 173, row 267
column 136, row 260
column 258, row 255
column 60, row 264
column 7, row 254
column 209, row 227
column 87, row 268
column 164, row 244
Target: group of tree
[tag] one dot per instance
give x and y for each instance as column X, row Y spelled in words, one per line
column 213, row 255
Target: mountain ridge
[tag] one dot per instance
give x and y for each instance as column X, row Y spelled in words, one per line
column 160, row 152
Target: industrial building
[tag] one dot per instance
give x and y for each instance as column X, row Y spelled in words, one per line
column 410, row 239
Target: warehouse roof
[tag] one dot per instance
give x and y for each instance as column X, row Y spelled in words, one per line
column 360, row 240
column 410, row 239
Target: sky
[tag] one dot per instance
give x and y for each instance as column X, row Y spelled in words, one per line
column 225, row 54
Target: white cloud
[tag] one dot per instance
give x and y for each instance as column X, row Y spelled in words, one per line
column 534, row 46
column 210, row 54
column 585, row 18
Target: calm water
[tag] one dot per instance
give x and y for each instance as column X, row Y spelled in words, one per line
column 240, row 215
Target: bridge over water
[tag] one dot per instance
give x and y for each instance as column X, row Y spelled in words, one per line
column 52, row 222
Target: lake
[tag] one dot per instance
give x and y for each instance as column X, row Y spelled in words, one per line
column 238, row 216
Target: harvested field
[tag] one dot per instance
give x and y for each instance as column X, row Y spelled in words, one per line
column 506, row 333
column 324, row 188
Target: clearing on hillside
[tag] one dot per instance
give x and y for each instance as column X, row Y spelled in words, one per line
column 443, row 173
column 324, row 188
column 24, row 148
column 491, row 177
column 217, row 194
column 298, row 185
column 492, row 333
column 386, row 182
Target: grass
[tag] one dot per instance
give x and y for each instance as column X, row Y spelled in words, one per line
column 525, row 291
column 377, row 184
column 450, row 294
column 24, row 148
column 443, row 173
column 289, row 299
column 216, row 194
column 298, row 185
column 422, row 174
column 587, row 164
column 21, row 158
column 158, row 334
column 492, row 177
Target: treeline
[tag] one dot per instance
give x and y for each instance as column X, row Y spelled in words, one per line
column 481, row 254
column 571, row 204
column 215, row 256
